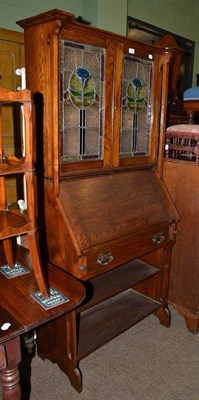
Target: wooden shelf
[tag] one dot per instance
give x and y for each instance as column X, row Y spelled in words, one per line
column 104, row 322
column 6, row 166
column 116, row 281
column 12, row 223
column 112, row 306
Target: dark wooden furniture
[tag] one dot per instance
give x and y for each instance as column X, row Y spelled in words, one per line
column 192, row 108
column 176, row 114
column 106, row 217
column 12, row 221
column 182, row 142
column 169, row 43
column 182, row 180
column 20, row 310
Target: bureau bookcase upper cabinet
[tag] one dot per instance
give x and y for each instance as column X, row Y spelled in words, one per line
column 104, row 105
column 105, row 215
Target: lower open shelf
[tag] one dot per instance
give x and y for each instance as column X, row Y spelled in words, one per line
column 115, row 281
column 105, row 321
column 111, row 307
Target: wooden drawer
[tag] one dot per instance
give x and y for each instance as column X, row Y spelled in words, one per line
column 102, row 258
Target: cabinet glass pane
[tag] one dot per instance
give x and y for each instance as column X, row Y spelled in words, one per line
column 136, row 107
column 81, row 101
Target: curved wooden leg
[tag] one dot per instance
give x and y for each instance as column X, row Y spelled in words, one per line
column 61, row 346
column 36, row 263
column 192, row 322
column 164, row 316
column 7, row 245
column 191, row 319
column 75, row 378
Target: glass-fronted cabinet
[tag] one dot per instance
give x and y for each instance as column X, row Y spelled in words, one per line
column 108, row 102
column 82, row 103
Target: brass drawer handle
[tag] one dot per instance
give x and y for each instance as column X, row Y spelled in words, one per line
column 104, row 258
column 158, row 238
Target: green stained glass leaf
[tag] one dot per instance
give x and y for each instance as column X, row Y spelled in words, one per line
column 89, row 94
column 75, row 93
column 82, row 88
column 135, row 95
column 133, row 100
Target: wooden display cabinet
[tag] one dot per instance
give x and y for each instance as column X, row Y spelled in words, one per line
column 105, row 215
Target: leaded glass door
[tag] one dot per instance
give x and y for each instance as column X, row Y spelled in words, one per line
column 81, row 102
column 136, row 105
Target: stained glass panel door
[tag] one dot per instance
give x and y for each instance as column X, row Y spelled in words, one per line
column 135, row 107
column 82, row 102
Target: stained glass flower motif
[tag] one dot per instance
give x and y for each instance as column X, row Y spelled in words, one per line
column 135, row 95
column 82, row 88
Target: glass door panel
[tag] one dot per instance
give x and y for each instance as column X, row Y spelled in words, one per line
column 135, row 107
column 81, row 102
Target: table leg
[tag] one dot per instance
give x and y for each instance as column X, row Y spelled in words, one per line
column 10, row 374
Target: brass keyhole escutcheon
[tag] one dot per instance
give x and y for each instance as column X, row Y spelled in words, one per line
column 104, row 258
column 158, row 238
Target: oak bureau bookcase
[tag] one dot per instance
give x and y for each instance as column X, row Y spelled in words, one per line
column 107, row 217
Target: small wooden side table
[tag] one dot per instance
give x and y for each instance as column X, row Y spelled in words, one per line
column 20, row 313
column 182, row 142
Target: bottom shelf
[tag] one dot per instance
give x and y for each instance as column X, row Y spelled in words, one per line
column 105, row 321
